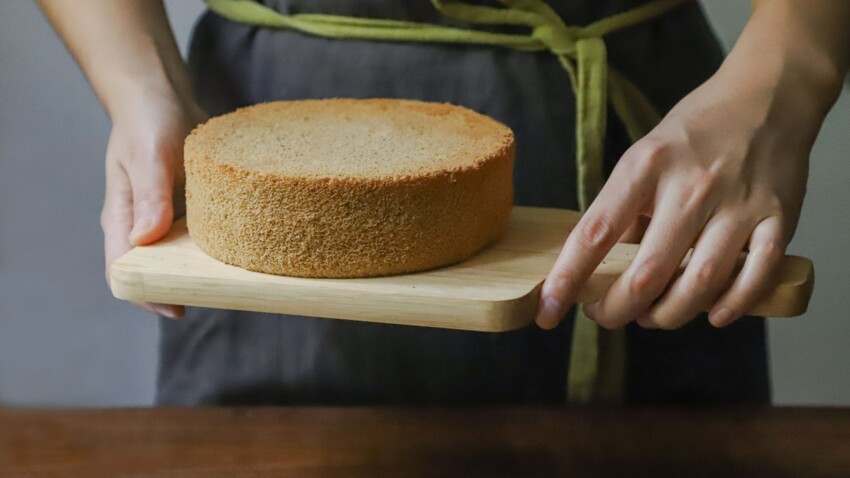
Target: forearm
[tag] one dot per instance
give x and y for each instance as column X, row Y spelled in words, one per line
column 797, row 52
column 125, row 47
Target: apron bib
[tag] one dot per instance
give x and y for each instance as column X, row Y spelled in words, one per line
column 552, row 86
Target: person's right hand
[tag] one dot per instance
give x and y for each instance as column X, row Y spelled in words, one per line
column 145, row 177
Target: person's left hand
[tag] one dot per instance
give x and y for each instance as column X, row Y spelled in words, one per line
column 724, row 172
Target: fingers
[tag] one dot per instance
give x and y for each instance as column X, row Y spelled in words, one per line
column 170, row 311
column 617, row 206
column 117, row 223
column 707, row 275
column 153, row 212
column 766, row 249
column 664, row 246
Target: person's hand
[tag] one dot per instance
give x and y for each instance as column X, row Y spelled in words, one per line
column 724, row 172
column 129, row 55
column 145, row 176
column 713, row 175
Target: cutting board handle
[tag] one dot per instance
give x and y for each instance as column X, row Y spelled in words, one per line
column 789, row 296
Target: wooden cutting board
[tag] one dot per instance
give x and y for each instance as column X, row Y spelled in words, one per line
column 496, row 290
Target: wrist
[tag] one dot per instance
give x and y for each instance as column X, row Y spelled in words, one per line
column 780, row 63
column 128, row 77
column 781, row 47
column 129, row 96
column 138, row 98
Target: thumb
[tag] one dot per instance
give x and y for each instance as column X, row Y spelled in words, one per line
column 153, row 211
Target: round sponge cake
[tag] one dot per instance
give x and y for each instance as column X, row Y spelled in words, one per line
column 348, row 188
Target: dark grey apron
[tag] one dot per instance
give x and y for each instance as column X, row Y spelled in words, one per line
column 229, row 357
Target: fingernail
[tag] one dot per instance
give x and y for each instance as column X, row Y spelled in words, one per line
column 722, row 317
column 551, row 312
column 165, row 312
column 142, row 226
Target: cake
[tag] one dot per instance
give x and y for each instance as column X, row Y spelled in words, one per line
column 348, row 188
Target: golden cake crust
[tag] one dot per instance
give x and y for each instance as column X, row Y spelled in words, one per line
column 396, row 186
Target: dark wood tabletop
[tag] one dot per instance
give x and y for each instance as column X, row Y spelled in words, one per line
column 416, row 442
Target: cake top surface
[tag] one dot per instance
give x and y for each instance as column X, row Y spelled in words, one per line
column 347, row 138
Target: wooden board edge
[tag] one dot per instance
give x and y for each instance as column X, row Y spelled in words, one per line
column 126, row 284
column 481, row 315
column 795, row 296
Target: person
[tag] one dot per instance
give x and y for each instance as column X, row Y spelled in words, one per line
column 724, row 171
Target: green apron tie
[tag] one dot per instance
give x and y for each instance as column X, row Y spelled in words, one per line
column 597, row 361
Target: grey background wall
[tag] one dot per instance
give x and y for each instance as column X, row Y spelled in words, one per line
column 65, row 341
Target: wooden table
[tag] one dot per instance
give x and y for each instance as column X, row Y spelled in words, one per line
column 391, row 442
